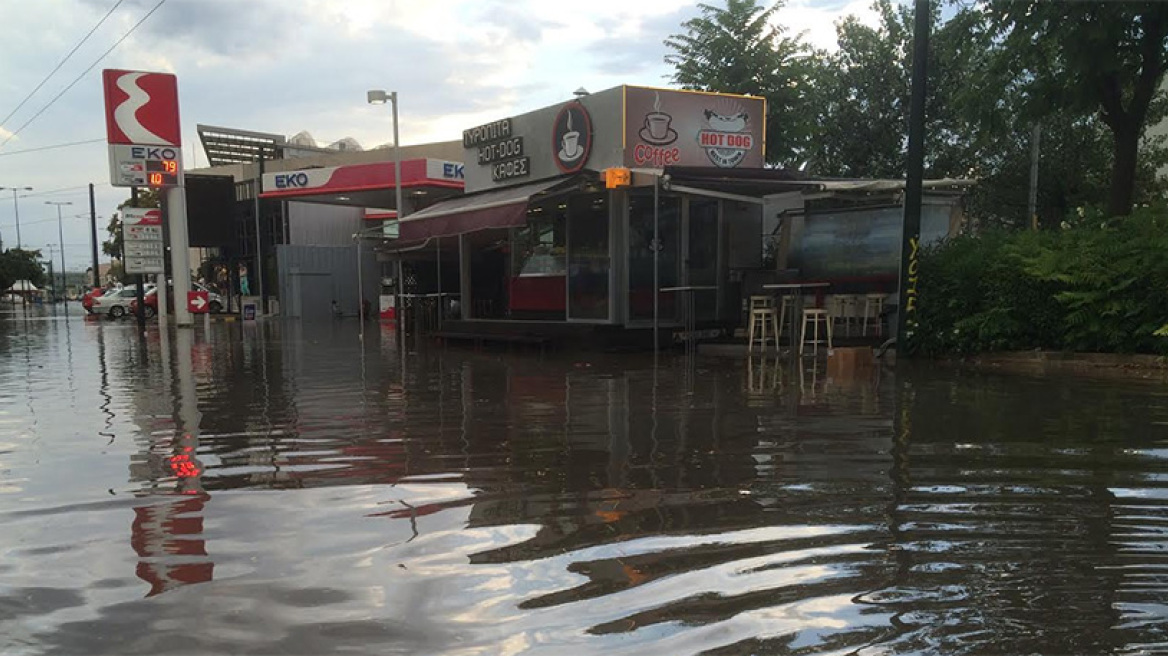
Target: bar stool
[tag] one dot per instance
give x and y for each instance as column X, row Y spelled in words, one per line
column 815, row 316
column 873, row 307
column 762, row 311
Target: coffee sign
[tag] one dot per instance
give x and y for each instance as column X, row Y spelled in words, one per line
column 498, row 149
column 688, row 128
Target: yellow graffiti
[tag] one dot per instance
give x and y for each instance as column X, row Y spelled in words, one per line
column 914, row 266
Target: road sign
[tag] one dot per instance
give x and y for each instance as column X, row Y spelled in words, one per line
column 142, row 240
column 197, row 302
column 142, row 128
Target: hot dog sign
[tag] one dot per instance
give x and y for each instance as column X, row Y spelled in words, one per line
column 669, row 128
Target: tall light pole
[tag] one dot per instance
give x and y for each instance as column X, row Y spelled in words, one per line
column 380, row 97
column 61, row 236
column 52, row 274
column 16, row 209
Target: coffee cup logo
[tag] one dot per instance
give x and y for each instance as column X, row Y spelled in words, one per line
column 657, row 129
column 572, row 137
column 570, row 148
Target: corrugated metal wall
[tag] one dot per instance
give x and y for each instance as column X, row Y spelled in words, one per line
column 312, row 277
column 315, row 224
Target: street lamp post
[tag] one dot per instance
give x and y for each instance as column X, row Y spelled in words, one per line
column 380, row 97
column 16, row 209
column 52, row 274
column 61, row 237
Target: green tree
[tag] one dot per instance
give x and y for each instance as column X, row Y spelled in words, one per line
column 16, row 264
column 740, row 49
column 979, row 118
column 1107, row 58
column 861, row 94
column 113, row 245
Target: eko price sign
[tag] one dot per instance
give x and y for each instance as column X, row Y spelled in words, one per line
column 142, row 240
column 145, row 166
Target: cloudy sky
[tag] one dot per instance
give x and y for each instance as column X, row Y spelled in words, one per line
column 290, row 65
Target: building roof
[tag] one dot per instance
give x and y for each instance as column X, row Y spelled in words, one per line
column 231, row 146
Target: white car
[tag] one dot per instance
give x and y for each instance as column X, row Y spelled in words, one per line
column 116, row 303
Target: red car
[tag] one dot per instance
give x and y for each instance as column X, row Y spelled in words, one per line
column 87, row 298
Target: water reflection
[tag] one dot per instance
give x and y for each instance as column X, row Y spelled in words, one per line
column 297, row 490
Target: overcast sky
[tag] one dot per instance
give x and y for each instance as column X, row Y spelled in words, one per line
column 291, row 65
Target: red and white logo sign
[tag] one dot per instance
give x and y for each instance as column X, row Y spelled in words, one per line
column 141, row 108
column 141, row 216
column 197, row 302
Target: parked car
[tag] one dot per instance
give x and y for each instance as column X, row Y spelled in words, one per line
column 215, row 303
column 90, row 296
column 117, row 303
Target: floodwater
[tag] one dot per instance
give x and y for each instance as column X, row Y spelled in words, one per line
column 280, row 489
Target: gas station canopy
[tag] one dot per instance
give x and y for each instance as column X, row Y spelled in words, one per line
column 424, row 181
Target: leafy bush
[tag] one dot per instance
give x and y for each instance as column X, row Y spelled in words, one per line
column 1099, row 286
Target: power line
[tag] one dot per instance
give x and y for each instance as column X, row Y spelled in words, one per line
column 75, row 190
column 83, row 73
column 55, row 191
column 61, row 63
column 60, row 145
column 52, row 220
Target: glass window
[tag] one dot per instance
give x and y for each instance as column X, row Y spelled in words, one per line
column 538, row 247
column 537, row 288
column 588, row 262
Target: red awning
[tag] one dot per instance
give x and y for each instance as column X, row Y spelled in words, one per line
column 500, row 208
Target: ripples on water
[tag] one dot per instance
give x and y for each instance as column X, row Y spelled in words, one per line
column 320, row 498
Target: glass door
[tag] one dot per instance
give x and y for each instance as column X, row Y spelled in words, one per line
column 641, row 247
column 588, row 257
column 701, row 264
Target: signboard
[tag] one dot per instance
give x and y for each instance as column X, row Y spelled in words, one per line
column 665, row 127
column 142, row 240
column 624, row 127
column 572, row 137
column 496, row 146
column 565, row 138
column 362, row 177
column 142, row 128
column 145, row 166
column 197, row 302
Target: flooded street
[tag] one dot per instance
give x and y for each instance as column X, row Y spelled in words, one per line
column 288, row 491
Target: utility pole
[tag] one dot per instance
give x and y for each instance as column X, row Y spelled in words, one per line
column 93, row 226
column 16, row 210
column 259, row 241
column 61, row 237
column 52, row 274
column 1032, row 200
column 914, row 181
